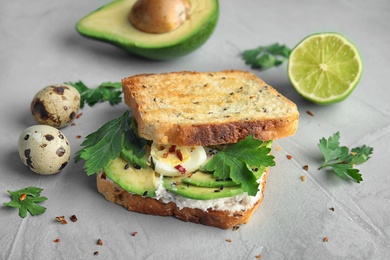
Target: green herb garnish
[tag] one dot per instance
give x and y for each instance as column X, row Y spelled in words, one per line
column 265, row 57
column 26, row 201
column 341, row 160
column 238, row 161
column 107, row 91
column 107, row 143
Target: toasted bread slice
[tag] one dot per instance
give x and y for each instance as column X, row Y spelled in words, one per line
column 208, row 108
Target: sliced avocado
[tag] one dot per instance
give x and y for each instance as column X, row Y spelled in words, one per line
column 202, row 179
column 177, row 186
column 109, row 23
column 138, row 181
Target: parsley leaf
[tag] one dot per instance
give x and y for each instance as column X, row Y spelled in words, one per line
column 107, row 91
column 108, row 142
column 103, row 145
column 237, row 163
column 26, row 201
column 341, row 160
column 134, row 147
column 265, row 57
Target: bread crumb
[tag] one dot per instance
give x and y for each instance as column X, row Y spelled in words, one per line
column 278, row 148
column 258, row 256
column 332, row 209
column 325, row 239
column 303, row 178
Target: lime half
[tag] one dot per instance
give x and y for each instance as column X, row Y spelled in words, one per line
column 325, row 68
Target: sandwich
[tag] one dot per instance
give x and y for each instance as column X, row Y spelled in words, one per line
column 193, row 145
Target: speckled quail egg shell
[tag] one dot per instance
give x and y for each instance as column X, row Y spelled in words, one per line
column 44, row 149
column 56, row 105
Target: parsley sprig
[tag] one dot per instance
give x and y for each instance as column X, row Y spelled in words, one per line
column 26, row 201
column 107, row 91
column 265, row 57
column 238, row 162
column 341, row 160
column 107, row 143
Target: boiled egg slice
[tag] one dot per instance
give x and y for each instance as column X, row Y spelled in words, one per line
column 172, row 160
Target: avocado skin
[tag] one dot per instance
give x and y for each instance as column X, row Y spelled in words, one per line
column 159, row 53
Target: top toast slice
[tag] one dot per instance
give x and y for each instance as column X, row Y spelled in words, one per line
column 208, row 108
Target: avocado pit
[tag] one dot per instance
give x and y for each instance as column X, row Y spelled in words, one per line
column 159, row 16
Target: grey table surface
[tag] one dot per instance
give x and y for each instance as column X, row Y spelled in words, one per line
column 39, row 46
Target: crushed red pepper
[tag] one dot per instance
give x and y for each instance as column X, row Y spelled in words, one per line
column 180, row 168
column 73, row 218
column 179, row 154
column 61, row 219
column 23, row 197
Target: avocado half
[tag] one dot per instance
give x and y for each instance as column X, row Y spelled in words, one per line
column 109, row 23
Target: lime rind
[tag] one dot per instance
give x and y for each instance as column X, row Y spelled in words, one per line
column 325, row 68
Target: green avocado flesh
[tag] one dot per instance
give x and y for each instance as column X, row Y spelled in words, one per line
column 110, row 24
column 138, row 181
column 207, row 180
column 178, row 186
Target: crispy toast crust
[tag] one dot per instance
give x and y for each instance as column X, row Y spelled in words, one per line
column 147, row 205
column 208, row 108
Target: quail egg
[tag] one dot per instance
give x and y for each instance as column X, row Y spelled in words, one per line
column 44, row 149
column 56, row 105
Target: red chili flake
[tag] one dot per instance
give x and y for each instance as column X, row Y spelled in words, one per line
column 78, row 136
column 79, row 115
column 228, row 240
column 179, row 154
column 326, row 239
column 73, row 218
column 258, row 256
column 23, row 197
column 161, row 147
column 181, row 169
column 172, row 149
column 99, row 242
column 72, row 124
column 134, row 233
column 309, row 113
column 289, row 157
column 96, row 253
column 306, row 167
column 103, row 176
column 61, row 219
column 56, row 240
